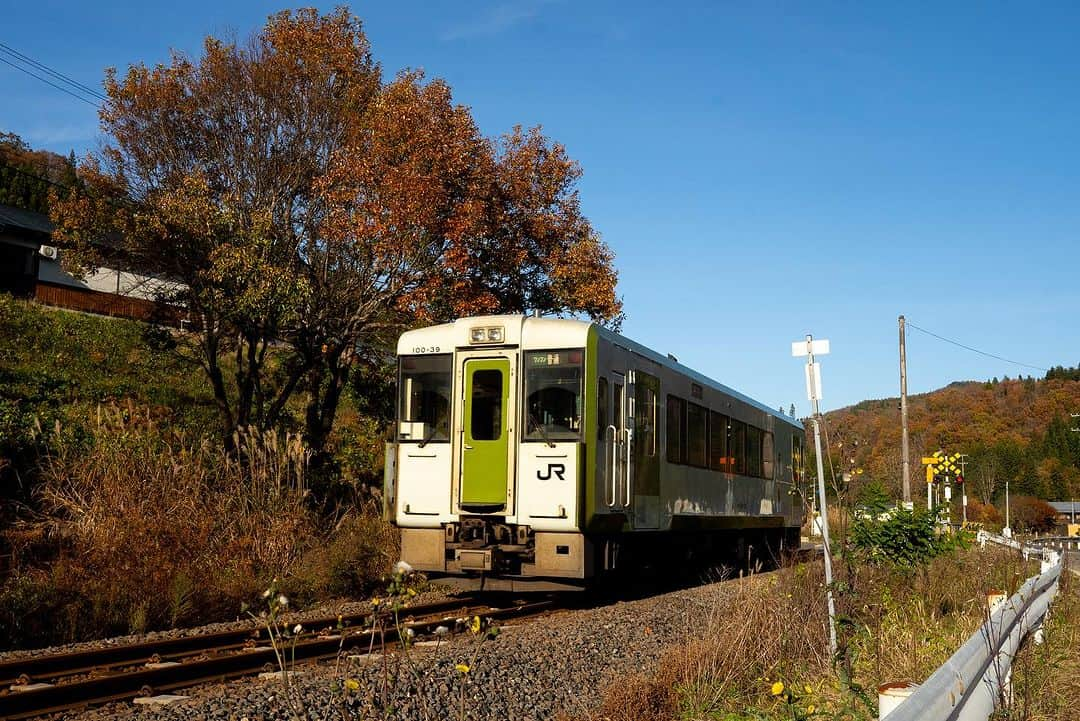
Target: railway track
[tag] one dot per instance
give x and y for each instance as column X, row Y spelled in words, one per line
column 47, row 684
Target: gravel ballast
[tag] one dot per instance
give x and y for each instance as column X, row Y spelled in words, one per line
column 534, row 670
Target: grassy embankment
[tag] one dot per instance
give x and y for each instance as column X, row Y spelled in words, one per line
column 121, row 513
column 764, row 655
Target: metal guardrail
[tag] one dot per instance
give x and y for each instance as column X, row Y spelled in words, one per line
column 1048, row 555
column 976, row 678
column 1061, row 543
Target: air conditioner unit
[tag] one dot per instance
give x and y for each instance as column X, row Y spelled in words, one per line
column 49, row 251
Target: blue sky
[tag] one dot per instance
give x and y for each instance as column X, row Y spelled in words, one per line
column 762, row 170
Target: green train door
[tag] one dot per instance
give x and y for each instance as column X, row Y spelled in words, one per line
column 486, row 448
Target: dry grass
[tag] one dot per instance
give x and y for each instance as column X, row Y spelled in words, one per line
column 1046, row 678
column 894, row 624
column 142, row 530
column 760, row 627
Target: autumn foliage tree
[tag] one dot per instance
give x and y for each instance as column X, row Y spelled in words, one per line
column 1032, row 514
column 305, row 204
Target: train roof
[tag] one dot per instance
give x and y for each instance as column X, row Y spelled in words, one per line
column 531, row 331
column 669, row 362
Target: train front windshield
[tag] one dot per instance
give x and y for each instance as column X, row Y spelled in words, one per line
column 425, row 396
column 553, row 395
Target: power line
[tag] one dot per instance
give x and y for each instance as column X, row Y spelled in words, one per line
column 49, row 82
column 973, row 350
column 55, row 73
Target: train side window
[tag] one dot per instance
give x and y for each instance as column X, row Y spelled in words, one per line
column 424, row 405
column 602, row 408
column 737, row 447
column 697, row 435
column 769, row 455
column 553, row 395
column 676, row 430
column 753, row 451
column 718, row 447
column 650, row 410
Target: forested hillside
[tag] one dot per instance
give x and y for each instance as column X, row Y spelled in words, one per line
column 1015, row 429
column 26, row 175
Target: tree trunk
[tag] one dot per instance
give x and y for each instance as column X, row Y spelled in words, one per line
column 329, row 380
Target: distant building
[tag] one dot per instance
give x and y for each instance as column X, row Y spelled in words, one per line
column 1066, row 510
column 30, row 268
column 1068, row 514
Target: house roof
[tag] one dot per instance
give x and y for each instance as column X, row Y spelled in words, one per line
column 12, row 218
column 1066, row 506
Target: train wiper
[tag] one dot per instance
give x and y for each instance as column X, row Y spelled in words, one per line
column 543, row 431
column 430, row 434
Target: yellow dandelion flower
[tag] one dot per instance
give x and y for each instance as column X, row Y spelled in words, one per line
column 462, row 667
column 376, row 601
column 412, row 591
column 352, row 684
column 475, row 625
column 810, row 708
column 777, row 688
column 808, row 689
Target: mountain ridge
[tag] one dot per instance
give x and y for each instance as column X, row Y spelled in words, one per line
column 1015, row 429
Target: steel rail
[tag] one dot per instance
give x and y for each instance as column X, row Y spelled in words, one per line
column 47, row 667
column 148, row 681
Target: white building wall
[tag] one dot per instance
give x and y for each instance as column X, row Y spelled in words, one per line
column 107, row 280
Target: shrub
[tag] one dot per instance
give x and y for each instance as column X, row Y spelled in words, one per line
column 901, row 536
column 985, row 514
column 359, row 550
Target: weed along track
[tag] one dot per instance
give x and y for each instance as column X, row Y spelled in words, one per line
column 45, row 684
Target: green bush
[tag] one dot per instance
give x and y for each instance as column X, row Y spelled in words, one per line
column 902, row 537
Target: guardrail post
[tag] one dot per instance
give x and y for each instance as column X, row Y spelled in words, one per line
column 891, row 695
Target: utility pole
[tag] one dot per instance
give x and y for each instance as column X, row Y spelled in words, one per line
column 813, row 392
column 1072, row 502
column 1008, row 529
column 963, row 487
column 904, row 454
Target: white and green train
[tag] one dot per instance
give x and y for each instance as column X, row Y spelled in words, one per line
column 547, row 452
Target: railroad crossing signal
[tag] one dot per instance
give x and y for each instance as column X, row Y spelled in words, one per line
column 940, row 464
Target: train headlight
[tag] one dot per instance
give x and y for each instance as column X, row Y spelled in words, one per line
column 490, row 334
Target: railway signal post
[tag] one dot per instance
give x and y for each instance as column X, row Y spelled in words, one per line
column 932, row 463
column 813, row 393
